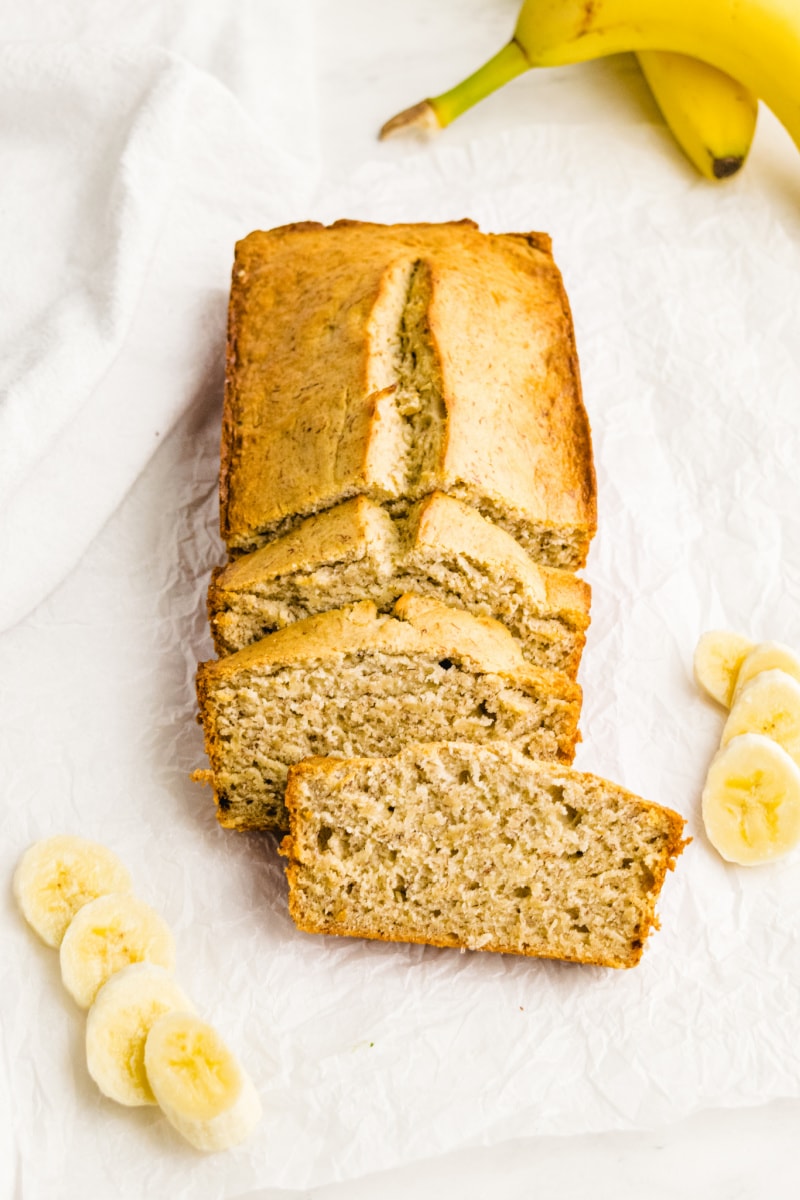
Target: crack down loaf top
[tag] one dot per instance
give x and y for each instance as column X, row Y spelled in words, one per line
column 390, row 361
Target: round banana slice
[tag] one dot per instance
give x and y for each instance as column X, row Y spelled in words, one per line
column 768, row 656
column 108, row 934
column 751, row 801
column 201, row 1088
column 768, row 704
column 117, row 1026
column 57, row 876
column 717, row 660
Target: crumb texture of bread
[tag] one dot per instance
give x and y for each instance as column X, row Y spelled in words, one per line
column 443, row 549
column 354, row 682
column 478, row 847
column 392, row 361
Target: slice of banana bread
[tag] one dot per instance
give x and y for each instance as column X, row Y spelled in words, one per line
column 330, row 560
column 353, row 682
column 394, row 360
column 476, row 846
column 445, row 549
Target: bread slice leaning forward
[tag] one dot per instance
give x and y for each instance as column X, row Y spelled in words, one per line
column 355, row 682
column 479, row 847
column 443, row 549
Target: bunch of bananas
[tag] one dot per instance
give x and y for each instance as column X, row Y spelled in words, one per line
column 707, row 64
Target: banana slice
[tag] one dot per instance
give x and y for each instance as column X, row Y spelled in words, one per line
column 56, row 877
column 751, row 801
column 717, row 660
column 201, row 1088
column 768, row 656
column 117, row 1026
column 768, row 704
column 108, row 934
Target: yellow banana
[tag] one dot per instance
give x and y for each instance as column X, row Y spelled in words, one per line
column 202, row 1090
column 712, row 117
column 751, row 801
column 754, row 41
column 768, row 656
column 717, row 660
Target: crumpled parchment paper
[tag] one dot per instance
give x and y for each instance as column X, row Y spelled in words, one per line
column 686, row 301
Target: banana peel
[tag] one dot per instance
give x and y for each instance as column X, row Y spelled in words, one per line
column 712, row 116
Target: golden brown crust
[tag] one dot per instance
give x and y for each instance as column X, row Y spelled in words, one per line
column 569, row 596
column 339, row 769
column 339, row 535
column 211, row 743
column 307, row 925
column 446, row 526
column 441, row 547
column 419, row 625
column 356, row 530
column 303, row 419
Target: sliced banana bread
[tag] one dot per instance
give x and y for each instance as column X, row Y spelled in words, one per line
column 391, row 361
column 444, row 549
column 476, row 846
column 354, row 682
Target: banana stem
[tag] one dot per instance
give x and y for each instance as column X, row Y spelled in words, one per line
column 434, row 114
column 420, row 118
column 504, row 66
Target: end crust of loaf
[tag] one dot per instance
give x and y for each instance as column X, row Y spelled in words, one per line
column 480, row 848
column 355, row 682
column 392, row 361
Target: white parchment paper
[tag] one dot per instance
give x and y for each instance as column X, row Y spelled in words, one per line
column 687, row 309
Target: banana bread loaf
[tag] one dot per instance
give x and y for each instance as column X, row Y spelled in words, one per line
column 444, row 549
column 392, row 361
column 476, row 846
column 352, row 682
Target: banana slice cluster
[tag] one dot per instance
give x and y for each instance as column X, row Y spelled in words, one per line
column 145, row 1043
column 751, row 799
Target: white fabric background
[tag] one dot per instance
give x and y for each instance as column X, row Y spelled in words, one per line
column 128, row 172
column 685, row 301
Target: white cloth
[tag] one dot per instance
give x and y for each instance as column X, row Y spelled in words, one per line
column 128, row 174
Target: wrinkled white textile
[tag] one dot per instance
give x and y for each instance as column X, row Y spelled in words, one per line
column 128, row 173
